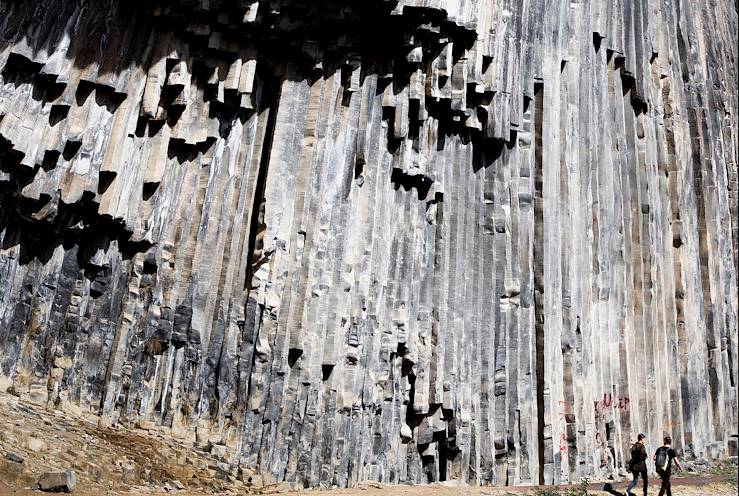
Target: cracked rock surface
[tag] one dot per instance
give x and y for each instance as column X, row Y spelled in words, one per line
column 402, row 241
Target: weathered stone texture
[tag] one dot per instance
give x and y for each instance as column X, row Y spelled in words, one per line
column 401, row 241
column 57, row 482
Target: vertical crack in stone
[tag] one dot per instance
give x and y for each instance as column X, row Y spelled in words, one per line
column 538, row 258
column 269, row 101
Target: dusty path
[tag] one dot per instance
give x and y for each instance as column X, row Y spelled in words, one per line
column 110, row 461
column 722, row 485
column 695, row 486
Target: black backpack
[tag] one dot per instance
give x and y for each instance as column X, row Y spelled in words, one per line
column 662, row 461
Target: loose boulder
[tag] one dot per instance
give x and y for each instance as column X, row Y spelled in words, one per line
column 14, row 457
column 62, row 481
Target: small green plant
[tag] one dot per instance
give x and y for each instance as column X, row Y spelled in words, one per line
column 580, row 490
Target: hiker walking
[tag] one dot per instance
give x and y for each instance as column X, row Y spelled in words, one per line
column 638, row 464
column 663, row 458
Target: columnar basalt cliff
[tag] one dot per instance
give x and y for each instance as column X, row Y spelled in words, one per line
column 402, row 241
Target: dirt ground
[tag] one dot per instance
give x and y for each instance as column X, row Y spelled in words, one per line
column 114, row 461
column 697, row 486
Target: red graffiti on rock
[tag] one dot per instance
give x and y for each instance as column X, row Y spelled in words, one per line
column 619, row 402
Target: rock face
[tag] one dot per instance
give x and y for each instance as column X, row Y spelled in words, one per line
column 403, row 241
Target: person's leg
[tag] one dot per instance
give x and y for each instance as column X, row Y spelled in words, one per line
column 633, row 482
column 646, row 481
column 665, row 482
column 669, row 485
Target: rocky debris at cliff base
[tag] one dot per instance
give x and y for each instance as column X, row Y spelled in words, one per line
column 57, row 481
column 14, row 457
column 101, row 460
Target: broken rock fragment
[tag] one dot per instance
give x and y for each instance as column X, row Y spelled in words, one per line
column 62, row 481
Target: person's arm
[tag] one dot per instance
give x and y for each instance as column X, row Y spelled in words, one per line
column 643, row 453
column 677, row 463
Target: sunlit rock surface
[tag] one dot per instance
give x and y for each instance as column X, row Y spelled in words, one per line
column 402, row 241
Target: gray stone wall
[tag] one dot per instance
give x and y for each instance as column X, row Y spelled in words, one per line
column 403, row 241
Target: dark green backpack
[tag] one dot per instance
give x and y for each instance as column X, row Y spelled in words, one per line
column 662, row 461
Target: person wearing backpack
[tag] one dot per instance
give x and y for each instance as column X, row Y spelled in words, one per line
column 663, row 459
column 638, row 464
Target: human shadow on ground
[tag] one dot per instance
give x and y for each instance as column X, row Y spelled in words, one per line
column 610, row 490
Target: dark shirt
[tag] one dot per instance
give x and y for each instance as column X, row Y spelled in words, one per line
column 638, row 457
column 670, row 455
